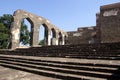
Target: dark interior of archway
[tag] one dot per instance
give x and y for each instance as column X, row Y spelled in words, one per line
column 53, row 33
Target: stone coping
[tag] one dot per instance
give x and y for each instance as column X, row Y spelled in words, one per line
column 110, row 6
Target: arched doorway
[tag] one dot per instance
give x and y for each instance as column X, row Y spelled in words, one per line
column 60, row 38
column 26, row 32
column 43, row 35
column 66, row 40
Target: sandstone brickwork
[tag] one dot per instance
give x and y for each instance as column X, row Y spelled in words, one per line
column 36, row 21
column 110, row 23
column 83, row 35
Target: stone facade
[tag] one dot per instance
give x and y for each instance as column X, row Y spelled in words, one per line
column 110, row 23
column 83, row 35
column 35, row 21
column 107, row 29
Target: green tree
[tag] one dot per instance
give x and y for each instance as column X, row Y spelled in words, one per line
column 4, row 37
column 5, row 22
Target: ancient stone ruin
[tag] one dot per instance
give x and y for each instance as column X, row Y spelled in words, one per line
column 73, row 61
column 107, row 29
column 58, row 37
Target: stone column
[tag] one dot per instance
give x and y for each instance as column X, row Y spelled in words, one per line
column 47, row 37
column 53, row 41
column 15, row 31
column 35, row 36
column 63, row 39
column 56, row 42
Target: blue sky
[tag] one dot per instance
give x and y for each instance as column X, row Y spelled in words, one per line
column 66, row 14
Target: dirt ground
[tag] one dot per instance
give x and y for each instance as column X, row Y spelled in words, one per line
column 11, row 74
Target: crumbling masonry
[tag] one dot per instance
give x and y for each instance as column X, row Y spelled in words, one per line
column 107, row 29
column 58, row 37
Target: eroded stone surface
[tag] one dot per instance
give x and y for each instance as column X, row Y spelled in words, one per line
column 36, row 22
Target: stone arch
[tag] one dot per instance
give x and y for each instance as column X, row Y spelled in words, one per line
column 31, row 27
column 46, row 33
column 16, row 29
column 35, row 22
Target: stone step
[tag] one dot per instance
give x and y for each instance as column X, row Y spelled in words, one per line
column 63, row 65
column 81, row 72
column 63, row 53
column 81, row 56
column 68, row 51
column 71, row 61
column 101, row 55
column 59, row 75
column 95, row 53
column 57, row 69
column 95, row 57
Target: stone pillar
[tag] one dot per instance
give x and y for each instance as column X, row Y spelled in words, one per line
column 35, row 38
column 56, row 41
column 60, row 39
column 47, row 37
column 53, row 41
column 63, row 39
column 15, row 31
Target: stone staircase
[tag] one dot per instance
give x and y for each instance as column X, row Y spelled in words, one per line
column 106, row 51
column 65, row 69
column 68, row 62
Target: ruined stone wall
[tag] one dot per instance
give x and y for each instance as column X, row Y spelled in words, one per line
column 81, row 36
column 36, row 22
column 107, row 29
column 110, row 23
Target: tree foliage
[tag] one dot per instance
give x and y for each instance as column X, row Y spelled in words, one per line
column 5, row 23
column 7, row 20
column 4, row 36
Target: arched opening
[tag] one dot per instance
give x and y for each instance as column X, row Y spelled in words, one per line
column 66, row 40
column 60, row 38
column 53, row 36
column 26, row 32
column 43, row 34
